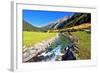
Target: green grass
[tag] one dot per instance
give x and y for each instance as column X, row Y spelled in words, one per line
column 31, row 38
column 84, row 44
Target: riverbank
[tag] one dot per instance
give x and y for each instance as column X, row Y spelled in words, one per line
column 53, row 52
column 38, row 48
column 82, row 39
column 84, row 44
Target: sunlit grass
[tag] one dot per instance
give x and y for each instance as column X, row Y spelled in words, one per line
column 31, row 38
column 84, row 44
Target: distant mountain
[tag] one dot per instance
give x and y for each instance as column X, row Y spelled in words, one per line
column 28, row 27
column 56, row 24
column 74, row 20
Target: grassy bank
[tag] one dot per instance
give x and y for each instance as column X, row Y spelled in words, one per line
column 31, row 38
column 84, row 44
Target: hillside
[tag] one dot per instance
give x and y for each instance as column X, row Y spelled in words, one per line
column 28, row 27
column 56, row 24
column 77, row 19
column 66, row 22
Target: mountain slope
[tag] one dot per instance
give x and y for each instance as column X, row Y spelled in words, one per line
column 77, row 19
column 28, row 27
column 56, row 24
column 74, row 20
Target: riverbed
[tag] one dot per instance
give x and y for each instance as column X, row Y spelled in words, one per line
column 54, row 52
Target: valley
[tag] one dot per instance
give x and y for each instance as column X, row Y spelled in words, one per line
column 68, row 38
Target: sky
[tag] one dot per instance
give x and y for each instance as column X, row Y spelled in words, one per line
column 42, row 18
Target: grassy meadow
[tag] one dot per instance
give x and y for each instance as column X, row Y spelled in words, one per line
column 84, row 44
column 30, row 37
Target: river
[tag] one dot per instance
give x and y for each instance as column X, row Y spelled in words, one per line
column 55, row 51
column 51, row 55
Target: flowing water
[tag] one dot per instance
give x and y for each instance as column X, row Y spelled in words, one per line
column 54, row 52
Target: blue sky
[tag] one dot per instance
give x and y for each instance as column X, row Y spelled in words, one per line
column 41, row 18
